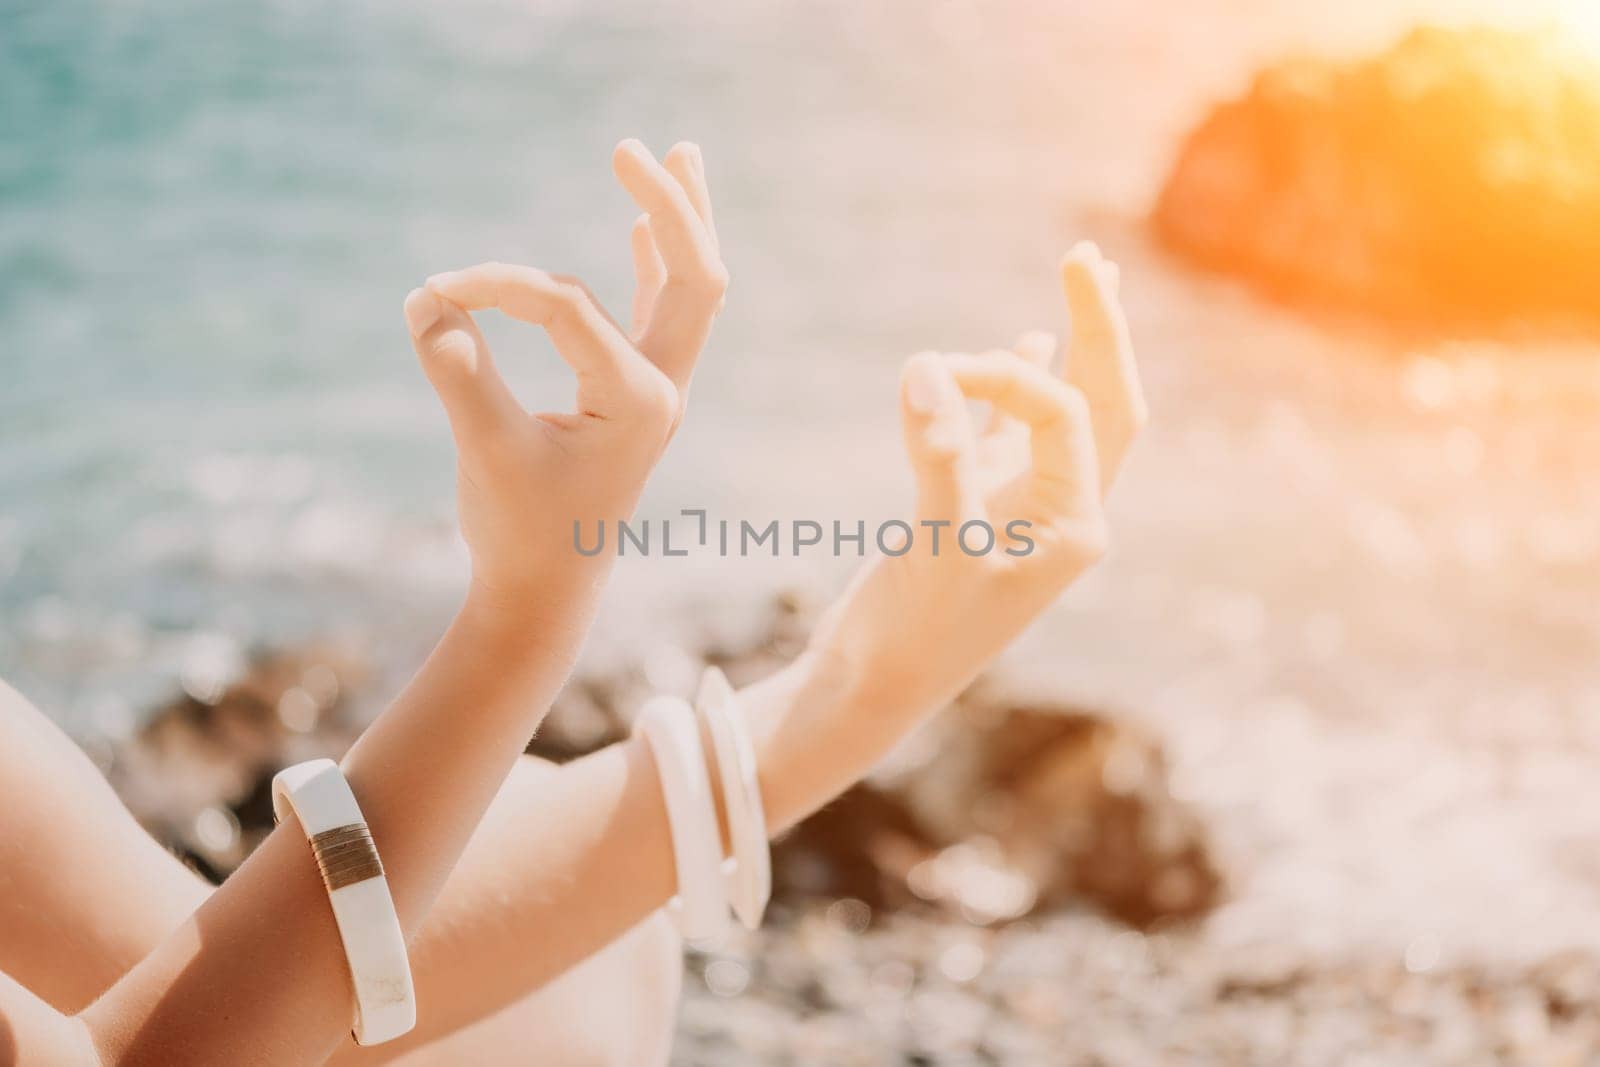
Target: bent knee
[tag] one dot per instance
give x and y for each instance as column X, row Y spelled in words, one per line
column 650, row 968
column 618, row 1008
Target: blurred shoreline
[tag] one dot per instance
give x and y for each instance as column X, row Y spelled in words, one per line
column 1353, row 582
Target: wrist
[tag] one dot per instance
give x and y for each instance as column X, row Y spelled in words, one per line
column 855, row 675
column 815, row 729
column 515, row 618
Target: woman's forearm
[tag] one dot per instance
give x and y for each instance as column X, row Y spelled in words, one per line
column 569, row 858
column 426, row 778
column 565, row 861
column 819, row 726
column 260, row 965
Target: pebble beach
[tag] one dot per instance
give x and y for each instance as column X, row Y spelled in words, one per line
column 1351, row 594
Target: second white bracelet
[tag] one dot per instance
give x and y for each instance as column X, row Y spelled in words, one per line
column 749, row 871
column 701, row 910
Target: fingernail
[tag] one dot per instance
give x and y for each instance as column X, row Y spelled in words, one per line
column 1111, row 275
column 435, row 281
column 1085, row 251
column 422, row 311
column 926, row 384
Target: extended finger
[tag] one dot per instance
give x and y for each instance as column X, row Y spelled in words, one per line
column 1066, row 479
column 648, row 274
column 607, row 367
column 696, row 280
column 1100, row 359
column 685, row 163
column 682, row 236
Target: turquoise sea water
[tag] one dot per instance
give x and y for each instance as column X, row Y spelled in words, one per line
column 1337, row 556
column 211, row 418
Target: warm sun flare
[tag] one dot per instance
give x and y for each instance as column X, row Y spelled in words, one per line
column 1582, row 17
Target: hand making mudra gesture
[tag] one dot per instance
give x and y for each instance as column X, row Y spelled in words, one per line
column 530, row 895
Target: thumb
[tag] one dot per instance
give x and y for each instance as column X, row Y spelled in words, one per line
column 456, row 359
column 1091, row 289
column 939, row 438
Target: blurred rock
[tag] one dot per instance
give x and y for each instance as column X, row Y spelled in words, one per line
column 597, row 705
column 198, row 774
column 893, row 940
column 1016, row 809
column 862, row 846
column 1452, row 180
column 1077, row 801
column 586, row 716
column 1019, row 808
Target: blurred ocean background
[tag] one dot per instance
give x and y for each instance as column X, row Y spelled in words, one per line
column 1355, row 576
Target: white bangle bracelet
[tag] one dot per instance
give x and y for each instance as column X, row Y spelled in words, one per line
column 317, row 794
column 701, row 909
column 749, row 872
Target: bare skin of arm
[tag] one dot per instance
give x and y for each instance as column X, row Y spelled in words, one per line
column 69, row 938
column 566, row 861
column 909, row 634
column 257, row 973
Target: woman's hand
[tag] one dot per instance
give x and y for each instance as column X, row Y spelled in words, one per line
column 524, row 480
column 257, row 973
column 1006, row 519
